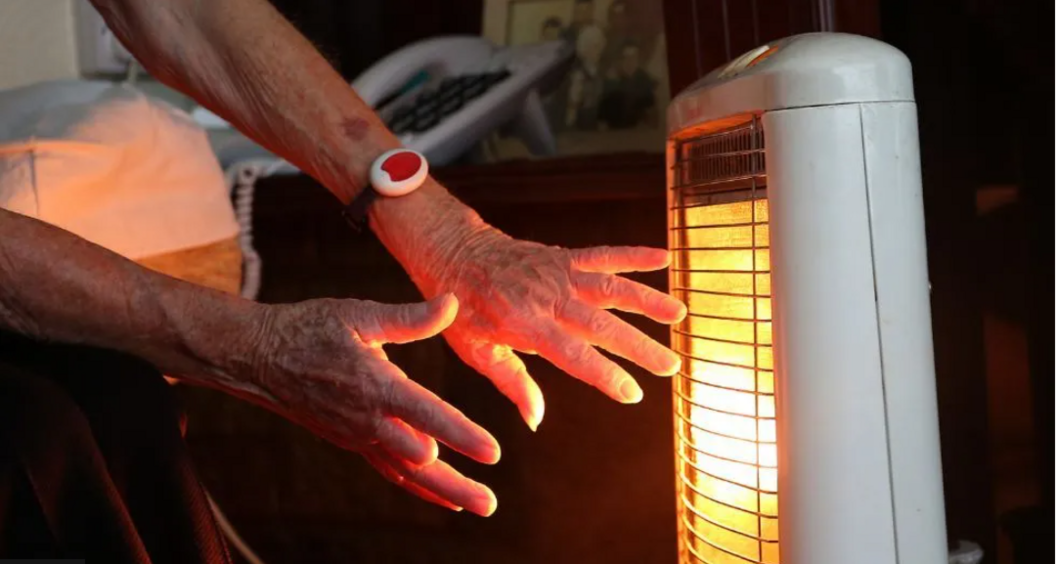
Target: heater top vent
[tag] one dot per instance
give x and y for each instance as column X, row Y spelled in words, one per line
column 729, row 160
column 815, row 69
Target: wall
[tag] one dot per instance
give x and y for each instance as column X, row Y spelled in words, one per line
column 37, row 41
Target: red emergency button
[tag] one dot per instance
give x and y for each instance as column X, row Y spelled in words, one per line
column 398, row 172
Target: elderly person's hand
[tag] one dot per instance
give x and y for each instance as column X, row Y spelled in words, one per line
column 516, row 296
column 538, row 299
column 320, row 363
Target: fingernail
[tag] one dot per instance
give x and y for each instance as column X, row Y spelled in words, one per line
column 680, row 312
column 533, row 418
column 630, row 391
column 492, row 505
column 494, row 454
column 449, row 305
column 450, row 298
column 673, row 362
column 485, row 505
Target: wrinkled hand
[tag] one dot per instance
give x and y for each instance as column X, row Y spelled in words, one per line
column 320, row 364
column 537, row 299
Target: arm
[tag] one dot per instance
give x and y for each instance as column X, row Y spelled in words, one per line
column 57, row 287
column 246, row 63
column 318, row 363
column 241, row 59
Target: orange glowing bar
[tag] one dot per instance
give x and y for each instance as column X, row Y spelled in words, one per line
column 726, row 434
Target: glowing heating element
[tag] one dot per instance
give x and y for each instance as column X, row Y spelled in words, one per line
column 725, row 411
column 806, row 420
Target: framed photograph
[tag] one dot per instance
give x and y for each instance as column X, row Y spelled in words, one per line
column 614, row 95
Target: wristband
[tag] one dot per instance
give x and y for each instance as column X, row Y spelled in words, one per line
column 395, row 173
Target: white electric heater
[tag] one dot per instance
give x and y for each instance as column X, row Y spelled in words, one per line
column 806, row 426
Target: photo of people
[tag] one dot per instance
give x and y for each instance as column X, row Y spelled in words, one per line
column 613, row 96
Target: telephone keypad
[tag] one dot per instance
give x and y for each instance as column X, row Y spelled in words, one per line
column 434, row 104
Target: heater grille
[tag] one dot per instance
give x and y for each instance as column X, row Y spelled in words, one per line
column 725, row 420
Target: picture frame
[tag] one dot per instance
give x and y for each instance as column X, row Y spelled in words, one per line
column 613, row 97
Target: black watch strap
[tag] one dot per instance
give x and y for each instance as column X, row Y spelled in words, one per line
column 355, row 213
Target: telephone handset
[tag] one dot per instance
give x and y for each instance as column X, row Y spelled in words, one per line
column 444, row 56
column 443, row 95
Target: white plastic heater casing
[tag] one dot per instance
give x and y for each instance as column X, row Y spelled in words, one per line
column 860, row 477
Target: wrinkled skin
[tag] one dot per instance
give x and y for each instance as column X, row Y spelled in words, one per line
column 321, row 364
column 538, row 299
column 327, row 370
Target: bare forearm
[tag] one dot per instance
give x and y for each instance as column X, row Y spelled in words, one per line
column 317, row 363
column 57, row 287
column 244, row 61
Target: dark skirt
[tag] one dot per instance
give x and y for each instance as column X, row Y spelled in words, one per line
column 93, row 464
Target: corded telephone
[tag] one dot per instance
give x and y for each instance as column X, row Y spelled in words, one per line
column 441, row 96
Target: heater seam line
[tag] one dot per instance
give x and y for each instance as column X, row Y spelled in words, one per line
column 685, row 482
column 879, row 331
column 838, row 104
